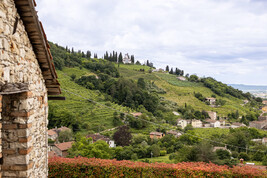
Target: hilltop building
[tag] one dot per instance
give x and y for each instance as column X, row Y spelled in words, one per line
column 27, row 77
column 126, row 59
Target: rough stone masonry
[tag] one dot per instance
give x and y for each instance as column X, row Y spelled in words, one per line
column 23, row 98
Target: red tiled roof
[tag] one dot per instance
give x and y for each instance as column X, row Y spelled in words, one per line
column 51, row 132
column 96, row 137
column 64, row 146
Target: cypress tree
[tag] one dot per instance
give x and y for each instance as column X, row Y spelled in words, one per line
column 171, row 72
column 167, row 68
column 120, row 58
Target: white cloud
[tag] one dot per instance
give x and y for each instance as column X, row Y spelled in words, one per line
column 223, row 39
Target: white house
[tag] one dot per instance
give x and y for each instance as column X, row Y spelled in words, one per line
column 196, row 123
column 126, row 59
column 182, row 123
column 212, row 115
column 181, row 78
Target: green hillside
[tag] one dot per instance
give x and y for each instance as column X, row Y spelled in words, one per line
column 89, row 115
column 182, row 92
column 90, row 106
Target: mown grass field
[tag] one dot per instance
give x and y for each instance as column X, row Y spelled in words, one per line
column 160, row 159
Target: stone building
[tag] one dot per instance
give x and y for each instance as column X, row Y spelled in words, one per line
column 212, row 101
column 27, row 76
column 61, row 149
column 212, row 115
column 196, row 123
column 258, row 124
column 157, row 135
column 181, row 123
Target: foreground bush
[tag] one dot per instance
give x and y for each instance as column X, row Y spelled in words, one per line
column 92, row 167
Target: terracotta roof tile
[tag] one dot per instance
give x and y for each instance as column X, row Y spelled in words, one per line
column 64, row 146
column 51, row 132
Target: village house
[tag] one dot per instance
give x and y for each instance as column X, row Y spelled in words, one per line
column 97, row 137
column 181, row 123
column 157, row 135
column 158, row 70
column 212, row 101
column 262, row 117
column 213, row 123
column 27, row 77
column 137, row 114
column 258, row 124
column 264, row 102
column 196, row 123
column 212, row 115
column 174, row 133
column 264, row 141
column 52, row 135
column 126, row 59
column 181, row 78
column 237, row 124
column 61, row 149
column 223, row 122
column 264, row 109
column 176, row 113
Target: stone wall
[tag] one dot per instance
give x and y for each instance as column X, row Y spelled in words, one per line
column 24, row 113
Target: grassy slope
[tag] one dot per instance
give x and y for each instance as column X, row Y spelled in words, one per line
column 90, row 113
column 160, row 159
column 183, row 91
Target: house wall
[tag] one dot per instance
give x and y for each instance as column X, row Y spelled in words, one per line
column 57, row 151
column 182, row 123
column 24, row 115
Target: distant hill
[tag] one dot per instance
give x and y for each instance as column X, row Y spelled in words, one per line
column 95, row 88
column 246, row 88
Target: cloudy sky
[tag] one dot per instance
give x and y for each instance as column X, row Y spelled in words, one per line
column 225, row 39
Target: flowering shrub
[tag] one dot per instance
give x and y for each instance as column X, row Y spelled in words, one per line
column 92, row 167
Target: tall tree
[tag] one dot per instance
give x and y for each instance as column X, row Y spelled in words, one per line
column 122, row 136
column 171, row 72
column 167, row 68
column 95, row 55
column 132, row 59
column 147, row 63
column 120, row 58
column 88, row 54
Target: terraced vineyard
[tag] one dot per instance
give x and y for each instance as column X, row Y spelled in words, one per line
column 92, row 116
